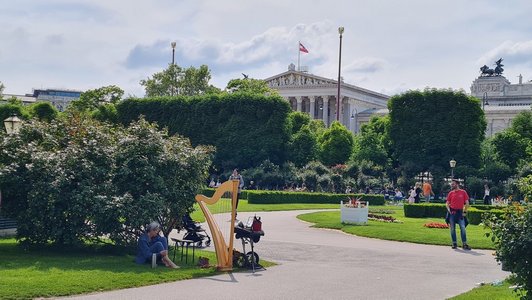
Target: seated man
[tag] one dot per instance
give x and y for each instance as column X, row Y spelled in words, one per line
column 152, row 243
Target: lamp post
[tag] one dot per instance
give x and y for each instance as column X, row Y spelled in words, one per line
column 173, row 88
column 452, row 163
column 12, row 124
column 173, row 44
column 353, row 117
column 340, row 31
column 485, row 100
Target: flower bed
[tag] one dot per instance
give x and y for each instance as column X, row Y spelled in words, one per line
column 382, row 211
column 436, row 225
column 381, row 218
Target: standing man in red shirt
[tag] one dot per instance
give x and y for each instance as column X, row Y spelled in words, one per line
column 457, row 204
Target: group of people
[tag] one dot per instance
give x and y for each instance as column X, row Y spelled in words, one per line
column 151, row 245
column 418, row 190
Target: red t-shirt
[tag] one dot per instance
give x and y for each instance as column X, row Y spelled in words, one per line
column 457, row 199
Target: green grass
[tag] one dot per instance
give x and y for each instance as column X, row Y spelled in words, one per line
column 489, row 292
column 244, row 206
column 412, row 230
column 48, row 273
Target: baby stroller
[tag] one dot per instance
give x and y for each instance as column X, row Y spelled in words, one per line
column 194, row 232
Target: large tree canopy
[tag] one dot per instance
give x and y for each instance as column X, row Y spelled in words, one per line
column 249, row 85
column 175, row 80
column 430, row 127
column 92, row 99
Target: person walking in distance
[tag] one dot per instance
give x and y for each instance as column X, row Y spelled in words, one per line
column 233, row 176
column 427, row 191
column 487, row 200
column 457, row 204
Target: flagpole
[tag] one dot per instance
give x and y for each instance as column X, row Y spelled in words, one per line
column 298, row 55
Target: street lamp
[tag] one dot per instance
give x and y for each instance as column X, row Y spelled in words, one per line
column 340, row 31
column 12, row 124
column 173, row 44
column 485, row 100
column 452, row 163
column 353, row 116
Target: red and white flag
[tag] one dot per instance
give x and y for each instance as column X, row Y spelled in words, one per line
column 302, row 48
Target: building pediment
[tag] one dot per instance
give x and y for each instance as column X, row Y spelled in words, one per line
column 296, row 79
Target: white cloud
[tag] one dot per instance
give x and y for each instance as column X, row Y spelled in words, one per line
column 517, row 52
column 387, row 45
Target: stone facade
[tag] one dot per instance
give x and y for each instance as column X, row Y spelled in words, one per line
column 501, row 100
column 317, row 96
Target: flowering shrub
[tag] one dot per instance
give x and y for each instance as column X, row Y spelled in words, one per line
column 436, row 225
column 512, row 235
column 76, row 179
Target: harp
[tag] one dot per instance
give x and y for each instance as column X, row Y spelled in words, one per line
column 223, row 237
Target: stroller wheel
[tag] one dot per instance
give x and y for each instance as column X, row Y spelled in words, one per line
column 239, row 261
column 252, row 258
column 208, row 242
column 198, row 244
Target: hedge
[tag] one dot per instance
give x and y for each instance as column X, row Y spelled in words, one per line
column 279, row 197
column 246, row 129
column 425, row 210
column 210, row 191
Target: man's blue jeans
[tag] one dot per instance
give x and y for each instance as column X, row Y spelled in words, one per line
column 458, row 219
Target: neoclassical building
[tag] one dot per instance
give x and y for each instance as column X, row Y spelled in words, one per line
column 317, row 96
column 501, row 100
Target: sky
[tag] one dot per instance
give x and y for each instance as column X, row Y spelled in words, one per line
column 388, row 46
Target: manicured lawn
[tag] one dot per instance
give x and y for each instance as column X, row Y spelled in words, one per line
column 244, row 206
column 489, row 292
column 45, row 273
column 412, row 230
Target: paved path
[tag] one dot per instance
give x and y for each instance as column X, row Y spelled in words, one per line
column 328, row 264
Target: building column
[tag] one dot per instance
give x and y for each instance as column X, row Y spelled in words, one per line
column 312, row 106
column 299, row 100
column 326, row 110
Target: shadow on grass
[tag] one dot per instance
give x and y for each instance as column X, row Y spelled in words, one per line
column 92, row 257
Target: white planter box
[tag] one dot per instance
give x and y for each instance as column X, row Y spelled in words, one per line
column 353, row 215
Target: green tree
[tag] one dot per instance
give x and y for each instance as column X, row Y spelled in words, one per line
column 303, row 147
column 90, row 100
column 297, row 120
column 196, row 81
column 510, row 147
column 175, row 80
column 512, row 236
column 75, row 179
column 336, row 145
column 497, row 171
column 252, row 85
column 43, row 111
column 373, row 143
column 2, row 87
column 522, row 124
column 430, row 127
column 9, row 109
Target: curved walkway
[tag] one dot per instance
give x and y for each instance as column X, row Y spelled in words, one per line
column 328, row 264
